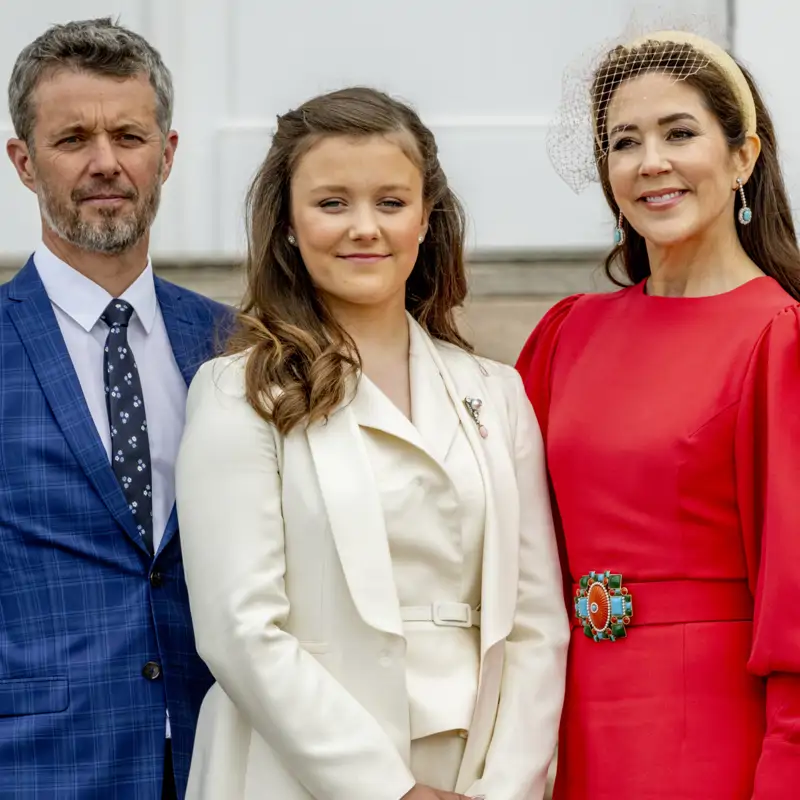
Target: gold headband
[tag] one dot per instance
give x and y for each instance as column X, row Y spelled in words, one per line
column 713, row 52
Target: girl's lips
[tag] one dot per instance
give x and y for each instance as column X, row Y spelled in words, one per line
column 364, row 258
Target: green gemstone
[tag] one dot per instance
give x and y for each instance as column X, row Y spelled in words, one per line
column 584, row 583
column 587, row 629
column 618, row 630
column 615, row 581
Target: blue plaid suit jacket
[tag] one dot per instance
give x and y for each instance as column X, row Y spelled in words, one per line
column 80, row 613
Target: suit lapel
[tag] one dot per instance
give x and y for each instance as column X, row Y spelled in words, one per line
column 191, row 346
column 462, row 378
column 181, row 329
column 32, row 315
column 356, row 518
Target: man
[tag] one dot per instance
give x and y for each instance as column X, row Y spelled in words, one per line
column 100, row 684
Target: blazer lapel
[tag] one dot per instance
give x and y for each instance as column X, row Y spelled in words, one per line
column 356, row 518
column 32, row 315
column 435, row 422
column 462, row 378
column 373, row 409
column 431, row 404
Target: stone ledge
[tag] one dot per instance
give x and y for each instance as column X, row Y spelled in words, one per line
column 506, row 299
column 552, row 278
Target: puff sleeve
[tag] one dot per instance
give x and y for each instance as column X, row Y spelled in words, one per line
column 535, row 365
column 767, row 458
column 535, row 362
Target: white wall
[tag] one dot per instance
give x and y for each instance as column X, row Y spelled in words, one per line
column 766, row 42
column 485, row 75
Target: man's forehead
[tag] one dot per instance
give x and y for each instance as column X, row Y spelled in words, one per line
column 71, row 97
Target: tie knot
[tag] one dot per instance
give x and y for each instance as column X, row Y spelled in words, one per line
column 117, row 314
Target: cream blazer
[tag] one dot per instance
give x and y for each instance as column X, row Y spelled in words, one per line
column 295, row 608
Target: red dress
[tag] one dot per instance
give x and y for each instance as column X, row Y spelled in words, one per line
column 672, row 428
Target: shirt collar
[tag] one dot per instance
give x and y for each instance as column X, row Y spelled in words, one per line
column 83, row 300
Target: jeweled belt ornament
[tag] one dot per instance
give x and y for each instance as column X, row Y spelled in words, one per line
column 603, row 606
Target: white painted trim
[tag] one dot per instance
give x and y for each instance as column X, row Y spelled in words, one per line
column 475, row 122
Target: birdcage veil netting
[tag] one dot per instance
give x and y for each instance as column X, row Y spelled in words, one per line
column 576, row 137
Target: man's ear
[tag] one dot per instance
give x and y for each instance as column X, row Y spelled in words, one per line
column 170, row 146
column 20, row 156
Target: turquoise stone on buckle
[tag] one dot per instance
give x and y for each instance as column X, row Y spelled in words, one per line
column 603, row 606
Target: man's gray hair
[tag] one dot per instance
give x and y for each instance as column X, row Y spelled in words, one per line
column 98, row 46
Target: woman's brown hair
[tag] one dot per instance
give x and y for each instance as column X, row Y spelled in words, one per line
column 769, row 240
column 299, row 359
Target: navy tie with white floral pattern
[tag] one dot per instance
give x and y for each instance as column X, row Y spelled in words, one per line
column 130, row 445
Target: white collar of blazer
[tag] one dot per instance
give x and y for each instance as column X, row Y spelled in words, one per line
column 343, row 470
column 435, row 420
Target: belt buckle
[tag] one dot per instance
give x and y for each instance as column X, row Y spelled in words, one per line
column 603, row 606
column 460, row 615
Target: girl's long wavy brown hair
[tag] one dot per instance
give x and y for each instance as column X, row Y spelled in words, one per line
column 299, row 359
column 769, row 240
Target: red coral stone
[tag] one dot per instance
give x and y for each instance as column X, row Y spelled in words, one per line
column 598, row 606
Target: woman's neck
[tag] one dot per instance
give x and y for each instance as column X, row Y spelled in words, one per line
column 383, row 339
column 380, row 332
column 708, row 265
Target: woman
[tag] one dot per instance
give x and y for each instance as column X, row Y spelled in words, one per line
column 669, row 411
column 378, row 603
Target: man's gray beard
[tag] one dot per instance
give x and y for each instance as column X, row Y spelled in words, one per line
column 111, row 235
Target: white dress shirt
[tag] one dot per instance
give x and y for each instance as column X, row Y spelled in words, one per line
column 78, row 304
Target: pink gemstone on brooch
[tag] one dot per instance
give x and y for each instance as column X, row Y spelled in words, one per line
column 474, row 405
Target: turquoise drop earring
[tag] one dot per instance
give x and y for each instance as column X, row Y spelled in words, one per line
column 745, row 213
column 619, row 232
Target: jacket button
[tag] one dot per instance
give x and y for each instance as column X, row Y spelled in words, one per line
column 152, row 670
column 156, row 579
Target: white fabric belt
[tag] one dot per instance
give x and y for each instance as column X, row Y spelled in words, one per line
column 448, row 615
